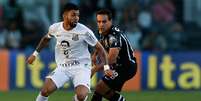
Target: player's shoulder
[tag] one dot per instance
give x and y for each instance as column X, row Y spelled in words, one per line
column 83, row 27
column 116, row 31
column 55, row 26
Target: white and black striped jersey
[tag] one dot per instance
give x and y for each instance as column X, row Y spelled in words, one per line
column 117, row 39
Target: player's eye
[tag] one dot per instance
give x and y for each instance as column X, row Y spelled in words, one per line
column 104, row 21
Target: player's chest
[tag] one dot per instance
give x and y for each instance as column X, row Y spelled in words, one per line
column 105, row 43
column 69, row 39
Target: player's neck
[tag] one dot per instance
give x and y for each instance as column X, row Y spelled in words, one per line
column 106, row 33
column 67, row 27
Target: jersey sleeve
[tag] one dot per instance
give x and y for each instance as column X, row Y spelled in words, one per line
column 115, row 41
column 51, row 31
column 90, row 38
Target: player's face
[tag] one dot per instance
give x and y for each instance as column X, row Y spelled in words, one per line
column 104, row 24
column 71, row 17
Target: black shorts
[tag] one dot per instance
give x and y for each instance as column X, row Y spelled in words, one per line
column 121, row 75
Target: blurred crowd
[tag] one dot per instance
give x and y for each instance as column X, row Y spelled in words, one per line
column 155, row 25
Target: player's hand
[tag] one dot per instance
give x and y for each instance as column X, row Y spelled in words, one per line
column 31, row 59
column 108, row 72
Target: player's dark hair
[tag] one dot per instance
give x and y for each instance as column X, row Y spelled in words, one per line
column 105, row 12
column 70, row 6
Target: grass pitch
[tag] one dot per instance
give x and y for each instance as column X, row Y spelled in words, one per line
column 22, row 95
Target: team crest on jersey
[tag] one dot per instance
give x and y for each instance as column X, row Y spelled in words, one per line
column 117, row 29
column 75, row 37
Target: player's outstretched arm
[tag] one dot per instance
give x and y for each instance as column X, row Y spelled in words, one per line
column 104, row 59
column 100, row 51
column 94, row 62
column 97, row 66
column 43, row 42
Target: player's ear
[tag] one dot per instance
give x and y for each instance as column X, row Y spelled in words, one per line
column 63, row 15
column 110, row 20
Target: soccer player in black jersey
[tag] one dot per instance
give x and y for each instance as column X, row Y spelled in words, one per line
column 122, row 63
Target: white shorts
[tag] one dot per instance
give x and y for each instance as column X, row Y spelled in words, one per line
column 79, row 74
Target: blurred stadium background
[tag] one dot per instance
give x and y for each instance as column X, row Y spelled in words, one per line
column 165, row 33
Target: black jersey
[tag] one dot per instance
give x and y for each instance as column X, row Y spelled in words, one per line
column 117, row 39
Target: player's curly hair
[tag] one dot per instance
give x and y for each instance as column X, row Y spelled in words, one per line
column 70, row 6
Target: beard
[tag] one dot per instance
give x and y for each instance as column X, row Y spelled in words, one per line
column 73, row 24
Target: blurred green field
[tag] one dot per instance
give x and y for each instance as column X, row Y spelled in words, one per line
column 20, row 95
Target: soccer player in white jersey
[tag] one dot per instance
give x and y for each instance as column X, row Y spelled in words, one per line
column 71, row 54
